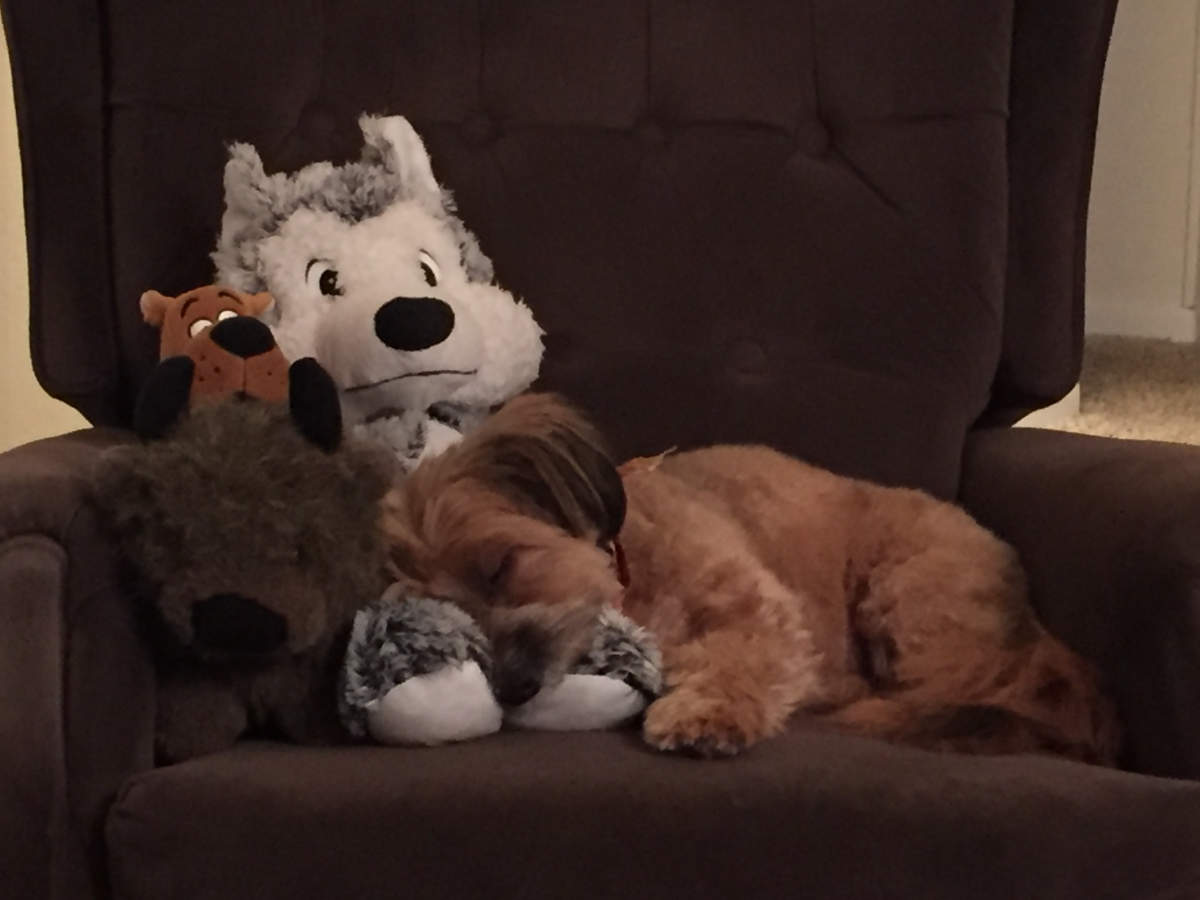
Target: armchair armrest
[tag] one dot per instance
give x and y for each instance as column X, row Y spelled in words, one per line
column 76, row 718
column 1109, row 533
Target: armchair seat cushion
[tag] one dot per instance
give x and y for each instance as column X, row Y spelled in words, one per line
column 597, row 815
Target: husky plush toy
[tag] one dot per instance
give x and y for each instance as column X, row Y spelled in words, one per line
column 375, row 277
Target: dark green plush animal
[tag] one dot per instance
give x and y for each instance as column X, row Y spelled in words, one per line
column 253, row 530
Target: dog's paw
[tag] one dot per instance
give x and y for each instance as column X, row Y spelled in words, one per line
column 686, row 722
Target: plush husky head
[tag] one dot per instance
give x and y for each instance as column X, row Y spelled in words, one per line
column 375, row 277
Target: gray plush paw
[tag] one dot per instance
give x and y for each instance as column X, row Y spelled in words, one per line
column 419, row 645
column 624, row 650
column 612, row 683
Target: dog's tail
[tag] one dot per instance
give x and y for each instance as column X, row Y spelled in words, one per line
column 1044, row 699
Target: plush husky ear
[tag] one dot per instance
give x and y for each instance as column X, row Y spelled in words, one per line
column 253, row 207
column 393, row 142
column 541, row 452
column 247, row 187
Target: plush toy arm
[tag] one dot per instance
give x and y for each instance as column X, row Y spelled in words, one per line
column 313, row 399
column 197, row 714
column 164, row 397
column 416, row 673
column 612, row 683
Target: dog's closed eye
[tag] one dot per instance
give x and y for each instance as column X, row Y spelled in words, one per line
column 501, row 568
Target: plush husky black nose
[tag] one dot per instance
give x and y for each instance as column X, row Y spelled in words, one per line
column 235, row 624
column 242, row 336
column 413, row 323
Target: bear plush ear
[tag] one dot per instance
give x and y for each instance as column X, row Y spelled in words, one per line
column 392, row 141
column 257, row 304
column 154, row 307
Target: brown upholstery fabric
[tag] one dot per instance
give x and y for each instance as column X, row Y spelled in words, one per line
column 851, row 228
column 599, row 816
column 76, row 686
column 1058, row 52
column 777, row 220
column 1108, row 533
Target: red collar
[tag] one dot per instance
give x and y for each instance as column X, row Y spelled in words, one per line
column 619, row 563
column 622, row 564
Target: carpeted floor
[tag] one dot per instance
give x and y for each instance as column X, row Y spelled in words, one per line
column 1139, row 388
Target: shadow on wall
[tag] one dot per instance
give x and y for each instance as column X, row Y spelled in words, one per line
column 26, row 411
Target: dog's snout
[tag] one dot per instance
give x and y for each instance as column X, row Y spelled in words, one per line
column 520, row 666
column 231, row 623
column 513, row 691
column 414, row 323
column 242, row 336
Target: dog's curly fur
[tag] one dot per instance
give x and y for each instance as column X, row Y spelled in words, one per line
column 772, row 587
column 238, row 503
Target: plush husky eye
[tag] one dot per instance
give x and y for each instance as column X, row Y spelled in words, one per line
column 324, row 276
column 429, row 268
column 226, row 314
column 198, row 326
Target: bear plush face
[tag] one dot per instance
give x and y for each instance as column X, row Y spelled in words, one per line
column 375, row 277
column 254, row 543
column 231, row 351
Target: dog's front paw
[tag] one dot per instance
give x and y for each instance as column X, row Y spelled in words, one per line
column 685, row 721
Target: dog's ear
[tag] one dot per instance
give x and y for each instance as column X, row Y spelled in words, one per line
column 542, row 453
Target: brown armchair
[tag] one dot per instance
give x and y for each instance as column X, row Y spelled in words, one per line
column 850, row 228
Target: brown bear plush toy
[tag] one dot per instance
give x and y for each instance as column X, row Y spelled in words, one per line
column 211, row 342
column 252, row 531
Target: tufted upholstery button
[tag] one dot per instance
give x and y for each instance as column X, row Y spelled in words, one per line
column 650, row 134
column 317, row 122
column 746, row 360
column 480, row 128
column 813, row 137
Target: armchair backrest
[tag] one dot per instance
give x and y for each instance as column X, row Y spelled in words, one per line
column 849, row 228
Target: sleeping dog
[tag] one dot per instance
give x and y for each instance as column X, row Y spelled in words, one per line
column 773, row 588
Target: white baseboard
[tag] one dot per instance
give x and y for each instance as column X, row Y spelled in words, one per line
column 1054, row 416
column 1136, row 319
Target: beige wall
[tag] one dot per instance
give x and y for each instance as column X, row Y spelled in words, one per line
column 26, row 412
column 1144, row 229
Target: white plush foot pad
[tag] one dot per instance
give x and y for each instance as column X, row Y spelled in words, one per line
column 579, row 703
column 451, row 704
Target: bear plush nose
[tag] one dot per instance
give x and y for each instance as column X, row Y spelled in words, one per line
column 413, row 323
column 242, row 336
column 232, row 623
